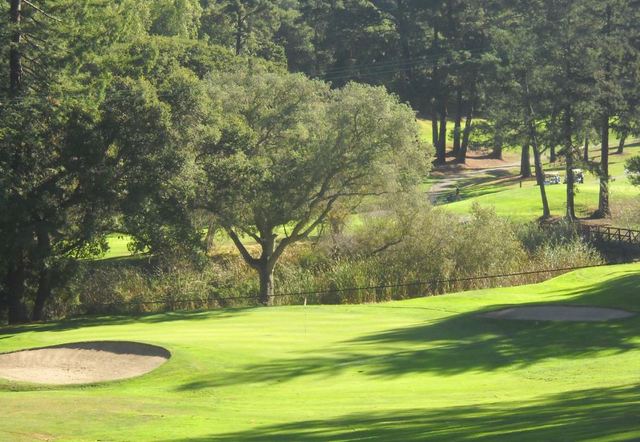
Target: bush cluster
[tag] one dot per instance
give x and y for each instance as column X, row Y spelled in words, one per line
column 377, row 261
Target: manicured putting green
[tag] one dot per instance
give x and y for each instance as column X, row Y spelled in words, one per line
column 424, row 369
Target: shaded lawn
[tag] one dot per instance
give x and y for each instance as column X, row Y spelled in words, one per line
column 594, row 414
column 424, row 369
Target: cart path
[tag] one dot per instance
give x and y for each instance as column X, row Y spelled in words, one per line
column 447, row 185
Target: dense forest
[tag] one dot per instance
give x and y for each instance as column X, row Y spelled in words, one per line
column 179, row 122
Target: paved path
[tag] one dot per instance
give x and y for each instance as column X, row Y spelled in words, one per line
column 446, row 186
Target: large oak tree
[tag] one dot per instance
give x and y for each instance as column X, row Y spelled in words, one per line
column 291, row 149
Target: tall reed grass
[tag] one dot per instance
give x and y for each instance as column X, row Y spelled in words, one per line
column 437, row 254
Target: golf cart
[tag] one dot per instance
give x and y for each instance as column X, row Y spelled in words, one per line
column 551, row 178
column 578, row 176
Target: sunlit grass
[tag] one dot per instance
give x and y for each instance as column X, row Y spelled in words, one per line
column 520, row 200
column 425, row 369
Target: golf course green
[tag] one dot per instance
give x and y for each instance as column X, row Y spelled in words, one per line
column 422, row 369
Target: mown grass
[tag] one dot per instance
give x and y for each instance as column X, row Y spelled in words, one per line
column 520, row 200
column 118, row 246
column 425, row 369
column 426, row 131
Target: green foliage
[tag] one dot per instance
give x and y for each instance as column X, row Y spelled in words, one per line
column 291, row 149
column 633, row 170
column 289, row 138
column 398, row 248
column 246, row 26
column 154, row 57
column 172, row 118
column 176, row 18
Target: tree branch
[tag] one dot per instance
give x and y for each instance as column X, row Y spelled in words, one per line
column 252, row 235
column 253, row 262
column 46, row 14
column 387, row 245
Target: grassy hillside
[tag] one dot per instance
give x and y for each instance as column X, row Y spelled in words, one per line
column 425, row 369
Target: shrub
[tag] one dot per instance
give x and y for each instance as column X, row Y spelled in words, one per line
column 429, row 246
column 626, row 213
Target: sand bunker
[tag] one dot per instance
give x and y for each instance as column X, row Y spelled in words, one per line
column 559, row 313
column 82, row 363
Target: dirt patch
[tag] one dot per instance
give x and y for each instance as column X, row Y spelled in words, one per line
column 477, row 160
column 559, row 313
column 82, row 363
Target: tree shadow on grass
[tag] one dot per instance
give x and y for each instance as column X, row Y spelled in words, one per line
column 612, row 413
column 460, row 343
column 474, row 185
column 98, row 321
column 618, row 292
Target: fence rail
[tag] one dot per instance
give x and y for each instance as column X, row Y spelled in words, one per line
column 611, row 234
column 349, row 295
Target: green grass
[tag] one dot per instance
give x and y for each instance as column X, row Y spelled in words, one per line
column 118, row 246
column 523, row 203
column 425, row 369
column 426, row 130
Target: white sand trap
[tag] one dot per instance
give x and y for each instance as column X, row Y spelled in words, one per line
column 559, row 313
column 82, row 363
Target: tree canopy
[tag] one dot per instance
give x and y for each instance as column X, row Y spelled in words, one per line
column 162, row 119
column 290, row 149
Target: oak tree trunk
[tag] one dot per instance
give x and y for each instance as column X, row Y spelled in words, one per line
column 533, row 140
column 546, row 212
column 239, row 32
column 438, row 105
column 266, row 285
column 568, row 153
column 466, row 135
column 603, row 198
column 496, row 152
column 442, row 137
column 434, row 136
column 44, row 278
column 571, row 210
column 265, row 265
column 404, row 31
column 43, row 294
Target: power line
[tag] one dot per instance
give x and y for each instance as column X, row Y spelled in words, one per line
column 405, row 61
column 342, row 291
column 374, row 70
